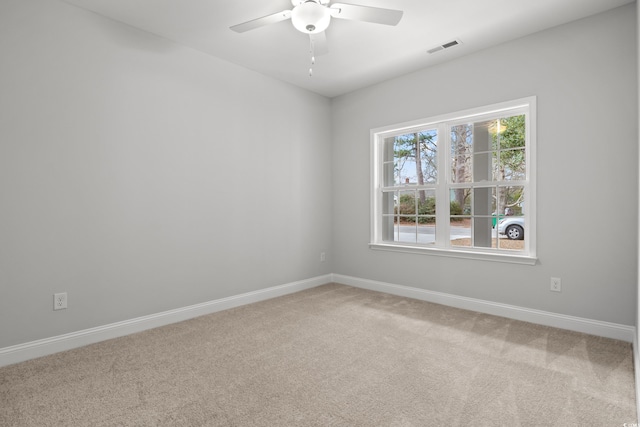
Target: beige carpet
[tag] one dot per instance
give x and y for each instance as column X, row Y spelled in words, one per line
column 330, row 356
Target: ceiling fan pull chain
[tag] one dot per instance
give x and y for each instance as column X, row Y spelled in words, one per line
column 313, row 56
column 312, row 51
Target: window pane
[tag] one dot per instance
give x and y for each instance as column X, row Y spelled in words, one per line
column 510, row 200
column 460, row 201
column 509, row 165
column 471, row 149
column 491, row 150
column 482, row 232
column 406, row 229
column 409, row 216
column 428, row 156
column 389, row 216
column 511, row 225
column 406, row 203
column 476, row 223
column 426, row 206
column 482, row 158
column 508, row 132
column 510, row 231
column 389, row 202
column 389, row 176
column 410, row 230
column 508, row 143
column 411, row 158
column 484, row 208
column 460, row 231
column 388, row 227
column 461, row 151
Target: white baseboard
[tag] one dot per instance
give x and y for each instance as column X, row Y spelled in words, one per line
column 43, row 347
column 577, row 324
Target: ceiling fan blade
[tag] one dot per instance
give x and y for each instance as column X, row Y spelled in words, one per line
column 319, row 41
column 261, row 22
column 366, row 13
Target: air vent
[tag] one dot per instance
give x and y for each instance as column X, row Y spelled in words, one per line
column 444, row 46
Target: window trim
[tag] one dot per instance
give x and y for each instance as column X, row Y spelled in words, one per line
column 444, row 122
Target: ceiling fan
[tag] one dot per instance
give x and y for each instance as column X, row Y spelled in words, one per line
column 314, row 16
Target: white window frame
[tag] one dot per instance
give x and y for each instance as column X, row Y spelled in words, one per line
column 443, row 123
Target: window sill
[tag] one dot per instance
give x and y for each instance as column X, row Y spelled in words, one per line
column 457, row 253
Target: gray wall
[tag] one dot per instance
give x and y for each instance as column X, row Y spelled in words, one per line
column 584, row 75
column 140, row 176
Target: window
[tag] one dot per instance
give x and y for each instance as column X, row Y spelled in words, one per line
column 461, row 184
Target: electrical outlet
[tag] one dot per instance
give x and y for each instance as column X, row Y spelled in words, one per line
column 323, row 257
column 60, row 301
column 556, row 284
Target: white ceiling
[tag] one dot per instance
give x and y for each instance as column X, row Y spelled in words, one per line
column 360, row 54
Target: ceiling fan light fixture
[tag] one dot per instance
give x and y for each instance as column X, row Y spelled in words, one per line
column 310, row 17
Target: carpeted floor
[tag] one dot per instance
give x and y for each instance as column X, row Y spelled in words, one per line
column 330, row 356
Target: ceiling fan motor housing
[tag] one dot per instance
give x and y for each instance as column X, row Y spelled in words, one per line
column 310, row 17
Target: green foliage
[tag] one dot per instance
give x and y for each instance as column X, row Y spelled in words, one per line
column 511, row 142
column 455, row 208
column 406, row 205
column 407, row 209
column 513, row 135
